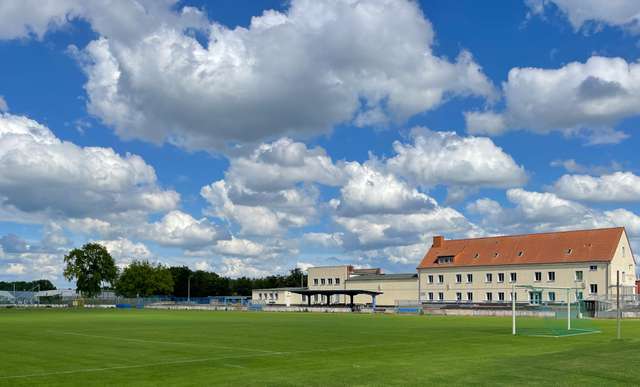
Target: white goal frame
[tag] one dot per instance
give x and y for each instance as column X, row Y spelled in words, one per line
column 513, row 302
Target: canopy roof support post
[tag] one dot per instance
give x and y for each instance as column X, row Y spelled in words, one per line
column 309, row 299
column 351, row 300
column 373, row 301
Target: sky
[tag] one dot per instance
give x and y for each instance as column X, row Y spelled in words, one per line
column 250, row 138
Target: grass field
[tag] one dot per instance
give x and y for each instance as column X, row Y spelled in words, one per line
column 148, row 347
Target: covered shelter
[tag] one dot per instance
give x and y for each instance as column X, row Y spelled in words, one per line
column 328, row 293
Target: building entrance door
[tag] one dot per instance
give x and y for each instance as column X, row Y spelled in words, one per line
column 535, row 297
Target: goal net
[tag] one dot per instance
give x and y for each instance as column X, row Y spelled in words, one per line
column 550, row 312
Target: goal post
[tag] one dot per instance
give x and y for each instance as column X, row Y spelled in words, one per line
column 549, row 311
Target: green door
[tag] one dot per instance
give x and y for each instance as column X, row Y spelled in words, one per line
column 535, row 297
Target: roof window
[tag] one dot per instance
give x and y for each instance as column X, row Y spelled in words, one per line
column 568, row 251
column 520, row 253
column 496, row 254
column 444, row 259
column 477, row 255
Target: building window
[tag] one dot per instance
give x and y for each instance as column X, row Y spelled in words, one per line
column 469, row 296
column 469, row 278
column 441, row 278
column 315, row 298
column 551, row 276
column 552, row 296
column 445, row 259
column 458, row 278
column 537, row 276
column 304, row 298
column 276, row 296
column 260, row 295
column 593, row 267
column 500, row 296
column 513, row 277
column 520, row 253
column 489, row 296
column 488, row 277
column 337, row 281
column 500, row 277
column 579, row 275
column 440, row 296
column 623, row 252
column 330, row 281
column 579, row 295
column 322, row 281
column 513, row 296
column 315, row 281
column 458, row 296
column 568, row 251
column 593, row 288
column 430, row 278
column 430, row 296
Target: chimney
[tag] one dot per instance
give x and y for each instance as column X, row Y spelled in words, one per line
column 437, row 241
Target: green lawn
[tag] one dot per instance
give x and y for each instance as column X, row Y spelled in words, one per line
column 147, row 347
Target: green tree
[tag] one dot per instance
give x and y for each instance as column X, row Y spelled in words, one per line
column 180, row 276
column 27, row 286
column 91, row 267
column 143, row 279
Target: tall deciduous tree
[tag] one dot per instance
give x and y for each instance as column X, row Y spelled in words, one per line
column 91, row 267
column 143, row 279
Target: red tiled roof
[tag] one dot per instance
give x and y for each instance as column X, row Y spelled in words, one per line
column 554, row 247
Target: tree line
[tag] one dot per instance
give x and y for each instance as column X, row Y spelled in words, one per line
column 94, row 270
column 27, row 286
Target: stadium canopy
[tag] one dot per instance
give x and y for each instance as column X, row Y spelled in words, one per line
column 346, row 292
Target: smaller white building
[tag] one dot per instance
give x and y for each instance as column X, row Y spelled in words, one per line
column 276, row 296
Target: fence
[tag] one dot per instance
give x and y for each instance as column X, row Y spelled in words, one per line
column 110, row 299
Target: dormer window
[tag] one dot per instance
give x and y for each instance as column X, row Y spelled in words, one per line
column 444, row 259
column 476, row 256
column 520, row 253
column 496, row 254
column 568, row 251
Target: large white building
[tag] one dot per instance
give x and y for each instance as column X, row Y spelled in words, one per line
column 580, row 264
column 485, row 270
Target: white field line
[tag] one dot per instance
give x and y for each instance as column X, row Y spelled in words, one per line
column 567, row 335
column 188, row 361
column 233, row 366
column 162, row 342
column 124, row 367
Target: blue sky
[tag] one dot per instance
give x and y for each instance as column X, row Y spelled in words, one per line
column 253, row 137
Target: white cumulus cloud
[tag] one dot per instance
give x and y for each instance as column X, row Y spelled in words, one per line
column 615, row 187
column 583, row 14
column 298, row 72
column 586, row 99
column 72, row 181
column 180, row 229
column 446, row 158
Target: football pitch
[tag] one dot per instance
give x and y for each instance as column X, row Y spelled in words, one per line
column 152, row 347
